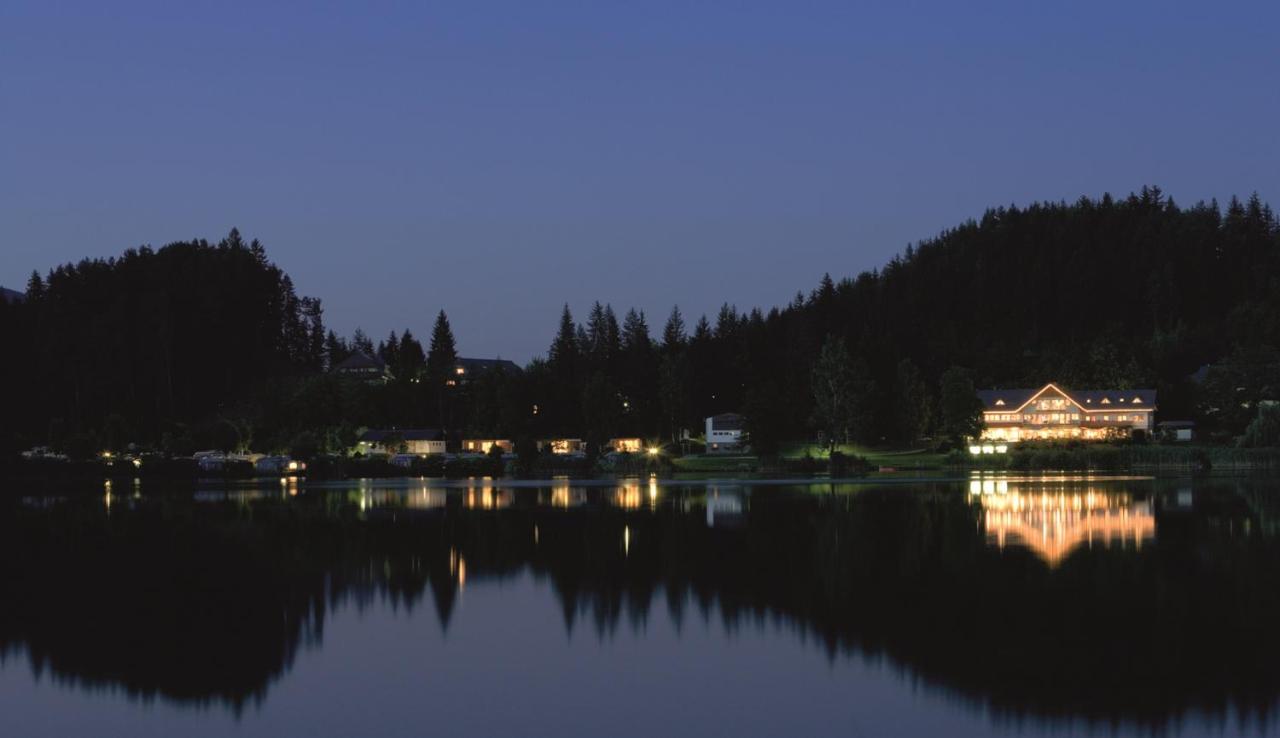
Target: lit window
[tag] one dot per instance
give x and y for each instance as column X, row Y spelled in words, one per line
column 999, row 402
column 1137, row 400
column 1105, row 401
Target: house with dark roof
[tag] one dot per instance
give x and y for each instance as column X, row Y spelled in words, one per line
column 1055, row 413
column 11, row 296
column 725, row 432
column 364, row 367
column 416, row 441
column 467, row 369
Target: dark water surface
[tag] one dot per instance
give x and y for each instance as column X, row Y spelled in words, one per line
column 1018, row 606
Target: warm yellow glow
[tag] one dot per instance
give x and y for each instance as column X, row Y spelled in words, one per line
column 486, row 498
column 628, row 496
column 566, row 445
column 1053, row 520
column 562, row 495
column 627, row 445
column 485, row 445
column 626, row 540
column 137, row 463
column 654, row 450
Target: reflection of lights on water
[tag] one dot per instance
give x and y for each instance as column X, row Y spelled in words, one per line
column 535, row 535
column 458, row 567
column 628, row 496
column 486, row 498
column 626, row 540
column 1053, row 522
column 653, row 490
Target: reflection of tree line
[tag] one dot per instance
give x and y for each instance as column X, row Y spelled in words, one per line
column 211, row 602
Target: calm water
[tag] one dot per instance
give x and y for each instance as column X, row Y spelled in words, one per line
column 997, row 606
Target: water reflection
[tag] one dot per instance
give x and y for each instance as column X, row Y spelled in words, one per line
column 1054, row 518
column 1139, row 600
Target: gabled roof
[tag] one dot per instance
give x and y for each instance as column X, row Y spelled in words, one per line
column 409, row 434
column 360, row 362
column 1013, row 400
column 8, row 295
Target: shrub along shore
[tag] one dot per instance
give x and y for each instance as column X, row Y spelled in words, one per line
column 1190, row 459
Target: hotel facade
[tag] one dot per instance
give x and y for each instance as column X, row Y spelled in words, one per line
column 1053, row 413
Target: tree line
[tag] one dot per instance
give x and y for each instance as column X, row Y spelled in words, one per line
column 197, row 342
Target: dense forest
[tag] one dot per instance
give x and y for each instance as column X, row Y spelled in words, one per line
column 206, row 345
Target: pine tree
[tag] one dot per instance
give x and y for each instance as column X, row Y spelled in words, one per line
column 635, row 334
column 442, row 356
column 564, row 349
column 412, row 360
column 361, row 343
column 35, row 287
column 673, row 334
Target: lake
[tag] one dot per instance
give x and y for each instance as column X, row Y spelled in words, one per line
column 997, row 605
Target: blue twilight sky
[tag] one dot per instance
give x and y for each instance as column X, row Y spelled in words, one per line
column 499, row 158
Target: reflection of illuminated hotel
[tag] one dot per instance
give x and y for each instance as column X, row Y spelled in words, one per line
column 1052, row 413
column 1052, row 520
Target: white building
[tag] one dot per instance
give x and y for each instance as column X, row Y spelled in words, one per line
column 418, row 442
column 724, row 433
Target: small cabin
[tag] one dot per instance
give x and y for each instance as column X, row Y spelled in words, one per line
column 627, row 445
column 484, row 445
column 416, row 441
column 563, row 446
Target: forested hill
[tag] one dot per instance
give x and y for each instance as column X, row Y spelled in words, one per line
column 1099, row 293
column 150, row 338
column 1106, row 293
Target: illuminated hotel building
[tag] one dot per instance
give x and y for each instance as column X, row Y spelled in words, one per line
column 1053, row 413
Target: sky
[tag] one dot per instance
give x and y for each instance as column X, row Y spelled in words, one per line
column 500, row 158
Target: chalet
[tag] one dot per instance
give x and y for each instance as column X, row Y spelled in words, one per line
column 484, row 445
column 1054, row 413
column 467, row 369
column 416, row 441
column 363, row 367
column 724, row 432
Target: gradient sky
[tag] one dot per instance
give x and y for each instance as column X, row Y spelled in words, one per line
column 500, row 158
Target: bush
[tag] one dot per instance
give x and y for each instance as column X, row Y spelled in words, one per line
column 1264, row 430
